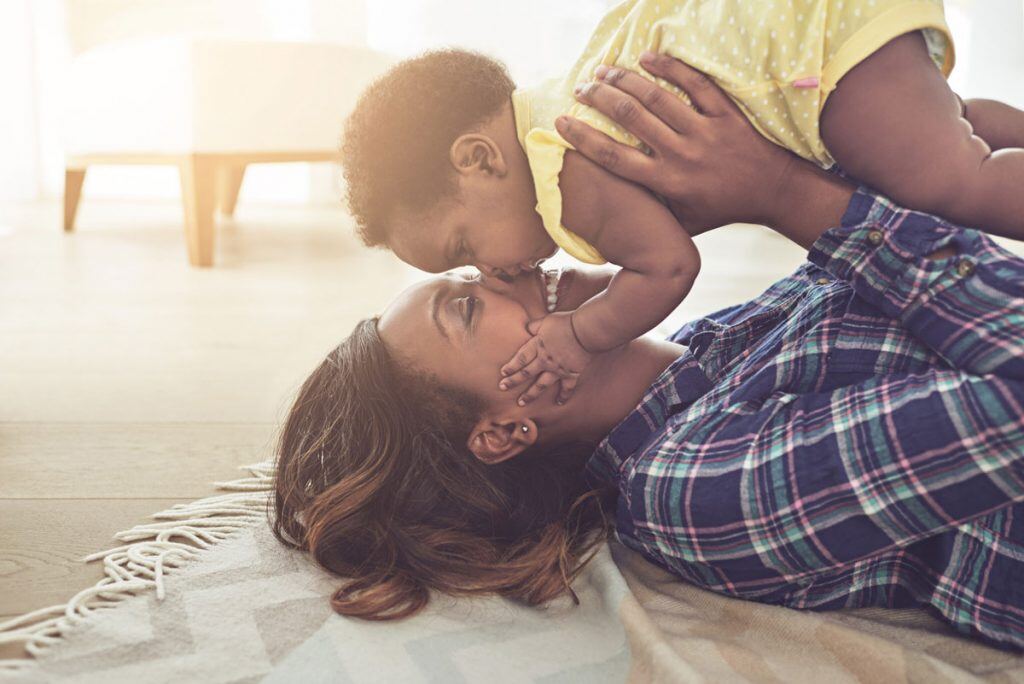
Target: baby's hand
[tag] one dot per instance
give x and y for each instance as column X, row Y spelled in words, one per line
column 552, row 354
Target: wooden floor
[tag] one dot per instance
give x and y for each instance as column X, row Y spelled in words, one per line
column 130, row 381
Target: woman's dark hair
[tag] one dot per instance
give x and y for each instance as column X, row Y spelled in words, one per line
column 375, row 481
column 396, row 141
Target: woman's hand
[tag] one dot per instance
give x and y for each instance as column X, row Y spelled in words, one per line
column 708, row 161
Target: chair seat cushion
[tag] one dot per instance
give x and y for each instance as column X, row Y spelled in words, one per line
column 170, row 96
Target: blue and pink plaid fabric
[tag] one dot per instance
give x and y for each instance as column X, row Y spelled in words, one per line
column 854, row 436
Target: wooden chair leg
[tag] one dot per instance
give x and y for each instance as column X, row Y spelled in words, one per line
column 198, row 191
column 73, row 179
column 229, row 182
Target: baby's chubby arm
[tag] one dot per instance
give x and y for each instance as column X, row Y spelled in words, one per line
column 658, row 261
column 631, row 229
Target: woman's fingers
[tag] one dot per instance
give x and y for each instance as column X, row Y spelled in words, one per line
column 703, row 92
column 626, row 110
column 620, row 159
column 540, row 385
column 666, row 107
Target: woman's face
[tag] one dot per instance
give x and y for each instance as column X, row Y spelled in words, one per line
column 455, row 328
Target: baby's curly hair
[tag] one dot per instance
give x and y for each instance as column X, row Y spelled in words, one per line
column 396, row 141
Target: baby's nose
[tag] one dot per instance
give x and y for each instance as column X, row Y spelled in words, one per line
column 493, row 272
column 496, row 285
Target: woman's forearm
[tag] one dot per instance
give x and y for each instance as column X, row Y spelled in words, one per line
column 809, row 201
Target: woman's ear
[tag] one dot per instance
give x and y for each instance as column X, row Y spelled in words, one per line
column 493, row 441
column 476, row 153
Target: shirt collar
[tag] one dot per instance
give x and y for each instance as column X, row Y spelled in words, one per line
column 521, row 114
column 678, row 386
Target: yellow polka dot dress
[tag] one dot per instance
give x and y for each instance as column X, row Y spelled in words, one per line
column 777, row 59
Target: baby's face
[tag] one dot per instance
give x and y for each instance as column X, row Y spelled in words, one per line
column 491, row 225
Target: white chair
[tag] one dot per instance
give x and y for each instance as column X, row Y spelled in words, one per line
column 210, row 108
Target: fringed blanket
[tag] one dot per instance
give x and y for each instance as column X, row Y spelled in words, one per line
column 207, row 594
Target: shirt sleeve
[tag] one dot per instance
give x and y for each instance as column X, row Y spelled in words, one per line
column 789, row 485
column 797, row 484
column 968, row 308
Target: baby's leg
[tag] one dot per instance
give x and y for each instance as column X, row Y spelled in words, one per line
column 893, row 123
column 997, row 123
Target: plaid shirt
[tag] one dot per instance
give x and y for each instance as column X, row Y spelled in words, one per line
column 851, row 437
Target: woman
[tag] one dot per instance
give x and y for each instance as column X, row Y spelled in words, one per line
column 851, row 437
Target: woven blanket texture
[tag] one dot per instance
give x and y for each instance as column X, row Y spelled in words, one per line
column 248, row 609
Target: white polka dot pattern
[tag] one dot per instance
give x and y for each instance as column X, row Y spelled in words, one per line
column 756, row 50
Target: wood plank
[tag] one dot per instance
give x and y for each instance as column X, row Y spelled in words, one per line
column 124, row 460
column 8, row 651
column 105, row 325
column 42, row 542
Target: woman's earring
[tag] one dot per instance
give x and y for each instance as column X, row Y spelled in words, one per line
column 526, row 428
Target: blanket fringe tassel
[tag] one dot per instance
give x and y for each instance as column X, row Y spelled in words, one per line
column 149, row 551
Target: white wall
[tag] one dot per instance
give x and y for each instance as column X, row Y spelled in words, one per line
column 535, row 38
column 995, row 67
column 19, row 153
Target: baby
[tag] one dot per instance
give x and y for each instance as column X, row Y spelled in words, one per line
column 449, row 164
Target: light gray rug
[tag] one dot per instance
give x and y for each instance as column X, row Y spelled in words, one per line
column 247, row 609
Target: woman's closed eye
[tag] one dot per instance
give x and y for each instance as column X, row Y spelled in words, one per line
column 467, row 307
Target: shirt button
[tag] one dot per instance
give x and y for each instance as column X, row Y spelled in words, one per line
column 875, row 237
column 823, row 281
column 964, row 267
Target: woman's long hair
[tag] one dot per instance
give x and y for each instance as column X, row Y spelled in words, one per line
column 375, row 481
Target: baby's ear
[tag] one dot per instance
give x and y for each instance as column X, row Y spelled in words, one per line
column 476, row 153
